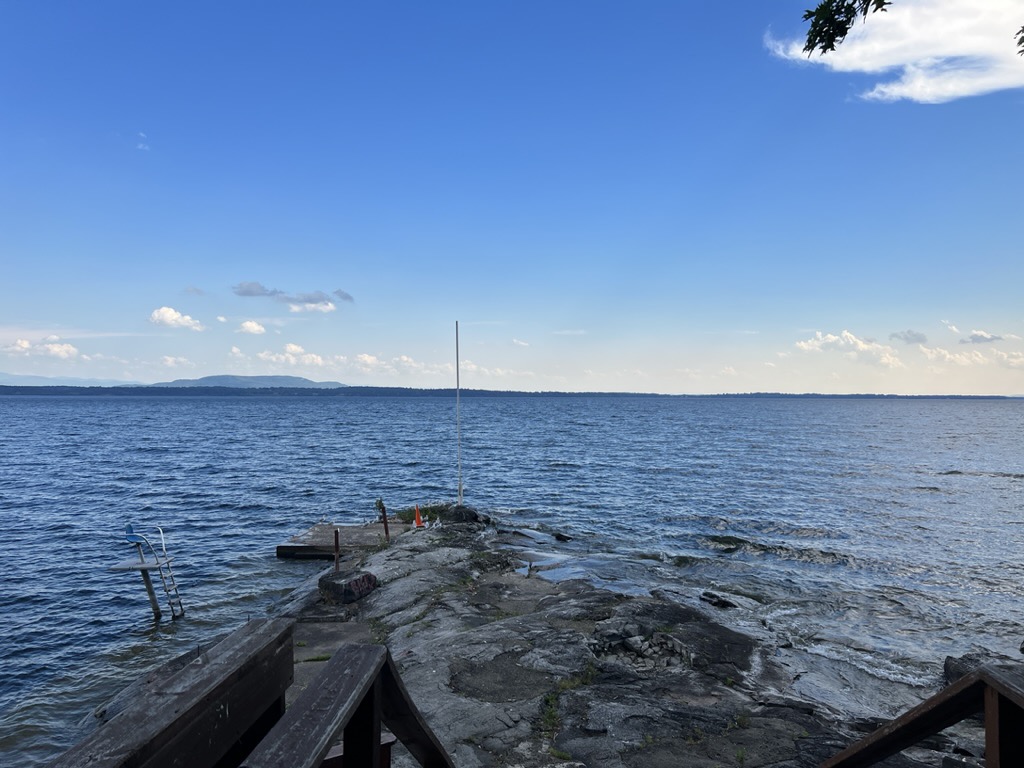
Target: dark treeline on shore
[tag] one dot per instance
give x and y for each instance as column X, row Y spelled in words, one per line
column 158, row 391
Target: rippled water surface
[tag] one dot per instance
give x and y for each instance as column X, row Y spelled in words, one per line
column 881, row 534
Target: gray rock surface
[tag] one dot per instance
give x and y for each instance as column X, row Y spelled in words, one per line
column 512, row 670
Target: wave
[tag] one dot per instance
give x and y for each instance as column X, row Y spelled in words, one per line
column 729, row 545
column 979, row 473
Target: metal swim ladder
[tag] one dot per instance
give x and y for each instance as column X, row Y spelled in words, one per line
column 151, row 559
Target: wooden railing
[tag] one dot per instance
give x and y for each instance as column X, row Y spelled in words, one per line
column 210, row 712
column 226, row 708
column 358, row 690
column 996, row 689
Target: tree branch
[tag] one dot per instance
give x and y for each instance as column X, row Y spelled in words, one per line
column 832, row 20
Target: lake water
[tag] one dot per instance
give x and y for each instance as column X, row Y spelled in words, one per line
column 873, row 535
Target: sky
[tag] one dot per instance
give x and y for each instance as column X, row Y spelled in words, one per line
column 659, row 196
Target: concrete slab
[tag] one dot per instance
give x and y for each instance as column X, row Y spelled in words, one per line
column 317, row 543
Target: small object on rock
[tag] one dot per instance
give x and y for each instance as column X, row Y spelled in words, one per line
column 566, row 537
column 717, row 600
column 347, row 587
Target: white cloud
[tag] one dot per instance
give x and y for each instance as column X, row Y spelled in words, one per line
column 51, row 346
column 980, row 337
column 221, row 319
column 1009, row 359
column 940, row 355
column 853, row 348
column 468, row 366
column 519, row 343
column 251, row 326
column 237, row 353
column 370, row 364
column 936, row 50
column 952, row 328
column 313, row 306
column 293, row 355
column 63, row 351
column 175, row 362
column 174, row 319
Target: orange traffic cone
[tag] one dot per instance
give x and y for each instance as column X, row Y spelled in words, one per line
column 419, row 520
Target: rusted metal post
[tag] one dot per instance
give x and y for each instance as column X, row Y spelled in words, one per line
column 337, row 551
column 384, row 517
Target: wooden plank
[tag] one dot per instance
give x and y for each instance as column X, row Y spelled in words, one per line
column 194, row 716
column 1004, row 723
column 999, row 689
column 949, row 706
column 992, row 757
column 404, row 720
column 1008, row 680
column 311, row 725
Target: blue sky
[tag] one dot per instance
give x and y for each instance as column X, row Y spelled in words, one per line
column 656, row 196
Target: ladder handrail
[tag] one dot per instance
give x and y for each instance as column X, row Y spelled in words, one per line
column 163, row 565
column 172, row 592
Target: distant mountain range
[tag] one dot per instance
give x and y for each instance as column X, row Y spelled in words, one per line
column 235, row 382
column 252, row 382
column 17, row 380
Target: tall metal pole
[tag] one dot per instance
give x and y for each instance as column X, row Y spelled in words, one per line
column 458, row 419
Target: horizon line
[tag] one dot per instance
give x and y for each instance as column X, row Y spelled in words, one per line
column 215, row 390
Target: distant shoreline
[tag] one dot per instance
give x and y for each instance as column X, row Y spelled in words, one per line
column 157, row 391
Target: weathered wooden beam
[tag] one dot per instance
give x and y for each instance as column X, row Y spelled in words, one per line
column 1004, row 731
column 313, row 722
column 1007, row 679
column 405, row 721
column 949, row 706
column 997, row 689
column 195, row 716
